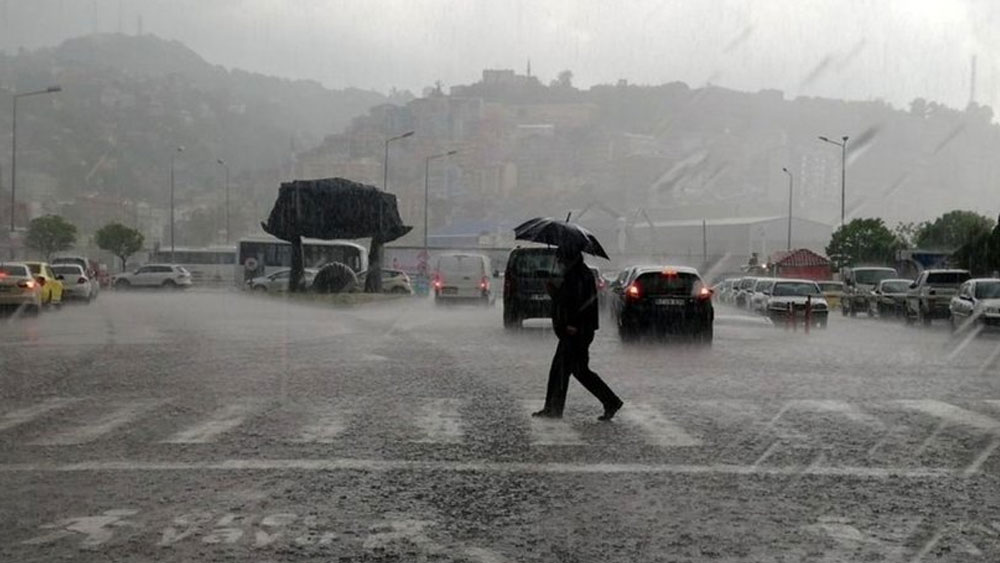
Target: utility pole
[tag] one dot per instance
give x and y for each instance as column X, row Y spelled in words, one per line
column 785, row 170
column 843, row 172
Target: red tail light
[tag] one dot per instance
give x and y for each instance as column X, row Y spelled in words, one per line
column 81, row 280
column 438, row 282
column 484, row 284
column 704, row 293
column 28, row 284
column 633, row 291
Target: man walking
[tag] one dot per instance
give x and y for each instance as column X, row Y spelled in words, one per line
column 574, row 320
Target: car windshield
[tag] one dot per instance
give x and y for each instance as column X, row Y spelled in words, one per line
column 831, row 286
column 947, row 278
column 669, row 283
column 988, row 290
column 895, row 286
column 14, row 270
column 795, row 289
column 872, row 277
column 67, row 270
column 35, row 268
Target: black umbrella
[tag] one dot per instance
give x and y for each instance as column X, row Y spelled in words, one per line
column 564, row 234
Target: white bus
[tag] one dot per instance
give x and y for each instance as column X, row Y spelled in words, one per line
column 212, row 264
column 263, row 255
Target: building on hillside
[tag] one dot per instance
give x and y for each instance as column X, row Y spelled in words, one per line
column 801, row 263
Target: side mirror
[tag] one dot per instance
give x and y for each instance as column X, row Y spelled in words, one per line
column 60, row 277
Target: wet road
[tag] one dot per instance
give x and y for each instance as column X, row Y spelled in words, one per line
column 215, row 426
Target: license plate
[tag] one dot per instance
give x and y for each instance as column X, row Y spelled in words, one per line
column 670, row 302
column 540, row 297
column 450, row 291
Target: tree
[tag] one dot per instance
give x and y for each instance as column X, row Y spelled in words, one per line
column 952, row 230
column 50, row 234
column 863, row 241
column 119, row 240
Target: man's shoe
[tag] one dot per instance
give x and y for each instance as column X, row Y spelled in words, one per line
column 544, row 413
column 609, row 412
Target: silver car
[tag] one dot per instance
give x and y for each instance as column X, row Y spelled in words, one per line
column 76, row 284
column 278, row 281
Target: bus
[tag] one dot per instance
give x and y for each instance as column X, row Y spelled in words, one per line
column 207, row 265
column 264, row 255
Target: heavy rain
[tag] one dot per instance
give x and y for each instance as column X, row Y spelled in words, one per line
column 482, row 282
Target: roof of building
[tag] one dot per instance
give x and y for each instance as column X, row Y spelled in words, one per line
column 799, row 258
column 726, row 221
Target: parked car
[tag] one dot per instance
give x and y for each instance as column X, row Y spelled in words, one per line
column 76, row 284
column 167, row 276
column 92, row 270
column 977, row 301
column 929, row 297
column 793, row 297
column 278, row 281
column 666, row 300
column 743, row 289
column 525, row 278
column 18, row 287
column 52, row 288
column 833, row 292
column 462, row 276
column 396, row 281
column 759, row 295
column 889, row 297
column 858, row 285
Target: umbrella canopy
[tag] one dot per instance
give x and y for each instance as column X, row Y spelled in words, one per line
column 563, row 234
column 334, row 208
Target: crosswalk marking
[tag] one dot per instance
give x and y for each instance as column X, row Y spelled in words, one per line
column 326, row 423
column 104, row 424
column 661, row 430
column 27, row 414
column 951, row 414
column 845, row 409
column 219, row 422
column 550, row 431
column 440, row 421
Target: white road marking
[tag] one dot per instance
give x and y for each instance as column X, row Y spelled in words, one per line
column 660, row 430
column 440, row 421
column 953, row 415
column 550, row 431
column 326, row 423
column 109, row 422
column 348, row 464
column 219, row 422
column 977, row 463
column 27, row 414
column 847, row 410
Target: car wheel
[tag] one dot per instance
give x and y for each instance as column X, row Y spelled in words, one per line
column 123, row 284
column 843, row 308
column 952, row 323
column 398, row 289
column 169, row 284
column 924, row 317
column 511, row 320
column 853, row 312
column 260, row 288
column 706, row 335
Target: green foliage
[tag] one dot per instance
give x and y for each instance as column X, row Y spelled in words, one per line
column 952, row 230
column 50, row 234
column 981, row 254
column 119, row 240
column 863, row 241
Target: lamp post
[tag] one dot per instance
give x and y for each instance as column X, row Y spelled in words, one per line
column 173, row 157
column 226, row 166
column 13, row 144
column 843, row 171
column 427, row 166
column 373, row 283
column 785, row 170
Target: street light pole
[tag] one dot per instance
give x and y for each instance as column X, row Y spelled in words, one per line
column 785, row 170
column 173, row 157
column 13, row 144
column 373, row 283
column 427, row 166
column 843, row 172
column 226, row 166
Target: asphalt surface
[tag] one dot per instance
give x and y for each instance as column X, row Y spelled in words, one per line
column 218, row 426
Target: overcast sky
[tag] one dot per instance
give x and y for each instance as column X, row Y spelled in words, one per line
column 895, row 50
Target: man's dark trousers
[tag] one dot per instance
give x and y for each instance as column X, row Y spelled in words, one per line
column 573, row 358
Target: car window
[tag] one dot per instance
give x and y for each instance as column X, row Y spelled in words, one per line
column 668, row 283
column 281, row 275
column 13, row 270
column 831, row 286
column 795, row 289
column 36, row 269
column 49, row 272
column 988, row 290
column 895, row 286
column 947, row 278
column 534, row 264
column 872, row 277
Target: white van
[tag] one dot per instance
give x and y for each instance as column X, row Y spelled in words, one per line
column 463, row 276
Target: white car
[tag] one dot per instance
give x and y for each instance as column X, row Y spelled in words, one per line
column 396, row 281
column 463, row 276
column 789, row 299
column 278, row 281
column 978, row 300
column 89, row 268
column 167, row 276
column 18, row 288
column 759, row 295
column 76, row 284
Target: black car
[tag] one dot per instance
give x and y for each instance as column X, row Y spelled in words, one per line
column 665, row 300
column 528, row 272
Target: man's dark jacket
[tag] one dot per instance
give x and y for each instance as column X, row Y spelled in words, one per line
column 574, row 302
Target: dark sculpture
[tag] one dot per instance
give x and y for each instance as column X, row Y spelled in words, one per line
column 335, row 208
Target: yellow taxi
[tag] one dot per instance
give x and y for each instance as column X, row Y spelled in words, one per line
column 832, row 291
column 52, row 288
